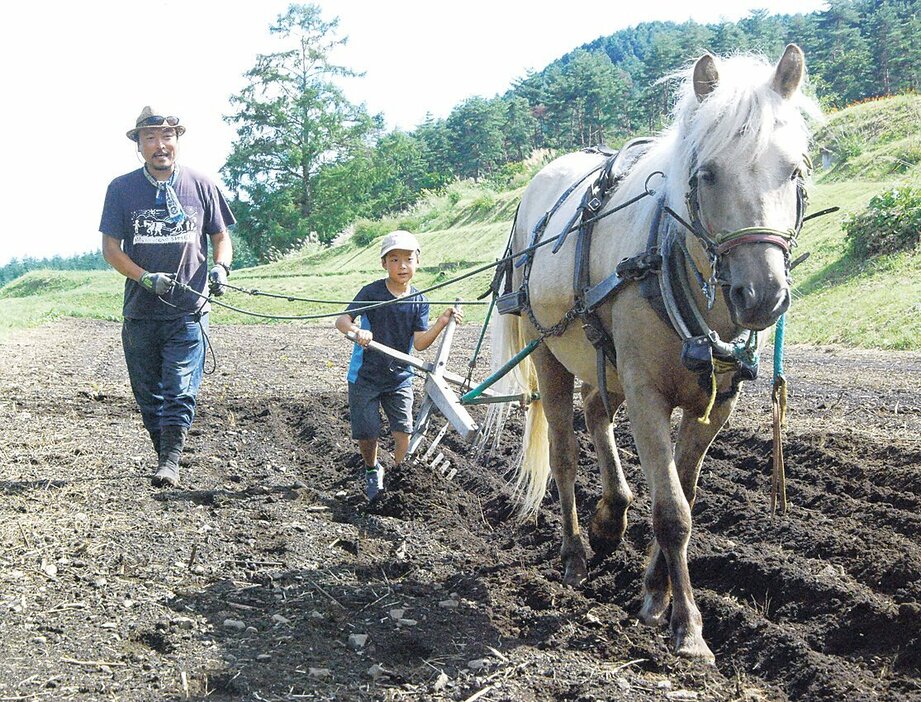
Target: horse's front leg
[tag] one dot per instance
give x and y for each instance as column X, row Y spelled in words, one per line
column 650, row 416
column 610, row 519
column 556, row 387
column 694, row 439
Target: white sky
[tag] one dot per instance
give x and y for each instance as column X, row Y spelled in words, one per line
column 76, row 74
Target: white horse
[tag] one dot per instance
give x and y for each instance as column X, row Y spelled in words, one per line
column 724, row 218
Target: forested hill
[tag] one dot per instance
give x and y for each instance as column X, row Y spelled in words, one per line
column 610, row 88
column 603, row 92
column 857, row 49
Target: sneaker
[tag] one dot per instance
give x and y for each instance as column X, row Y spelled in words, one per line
column 374, row 481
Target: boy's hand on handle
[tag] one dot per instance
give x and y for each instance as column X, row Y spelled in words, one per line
column 448, row 313
column 363, row 337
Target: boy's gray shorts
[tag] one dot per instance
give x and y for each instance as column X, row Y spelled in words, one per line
column 365, row 402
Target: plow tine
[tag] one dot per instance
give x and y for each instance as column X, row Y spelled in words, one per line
column 435, row 441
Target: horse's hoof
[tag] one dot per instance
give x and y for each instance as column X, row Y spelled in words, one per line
column 576, row 573
column 603, row 544
column 696, row 648
column 608, row 527
column 652, row 613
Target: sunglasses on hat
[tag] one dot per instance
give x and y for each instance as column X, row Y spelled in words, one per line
column 157, row 121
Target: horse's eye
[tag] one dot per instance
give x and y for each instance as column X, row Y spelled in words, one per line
column 706, row 176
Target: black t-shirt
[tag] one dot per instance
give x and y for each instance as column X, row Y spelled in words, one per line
column 158, row 245
column 393, row 325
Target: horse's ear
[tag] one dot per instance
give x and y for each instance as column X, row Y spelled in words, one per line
column 705, row 76
column 789, row 73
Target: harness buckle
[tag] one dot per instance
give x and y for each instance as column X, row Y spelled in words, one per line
column 593, row 334
column 638, row 267
column 594, row 204
column 599, row 337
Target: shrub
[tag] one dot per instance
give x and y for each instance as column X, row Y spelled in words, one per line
column 367, row 231
column 408, row 222
column 484, row 202
column 510, row 175
column 243, row 254
column 891, row 223
column 848, row 145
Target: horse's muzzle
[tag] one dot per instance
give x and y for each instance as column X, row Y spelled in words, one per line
column 757, row 310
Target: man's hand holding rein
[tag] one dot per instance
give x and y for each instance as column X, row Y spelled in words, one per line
column 217, row 278
column 157, row 283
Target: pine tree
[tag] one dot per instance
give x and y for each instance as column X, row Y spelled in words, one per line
column 292, row 119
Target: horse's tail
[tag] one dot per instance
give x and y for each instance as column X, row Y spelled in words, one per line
column 533, row 464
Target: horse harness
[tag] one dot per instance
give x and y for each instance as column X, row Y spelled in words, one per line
column 661, row 269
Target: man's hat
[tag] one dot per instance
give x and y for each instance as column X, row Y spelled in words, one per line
column 399, row 239
column 150, row 117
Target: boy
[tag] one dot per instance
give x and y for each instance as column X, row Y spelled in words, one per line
column 375, row 379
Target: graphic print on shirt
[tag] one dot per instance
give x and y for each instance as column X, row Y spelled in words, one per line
column 153, row 227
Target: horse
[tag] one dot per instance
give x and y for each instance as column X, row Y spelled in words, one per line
column 713, row 204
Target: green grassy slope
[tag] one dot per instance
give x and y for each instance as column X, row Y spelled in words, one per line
column 870, row 304
column 837, row 299
column 873, row 304
column 874, row 140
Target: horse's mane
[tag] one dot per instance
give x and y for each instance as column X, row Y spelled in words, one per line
column 736, row 120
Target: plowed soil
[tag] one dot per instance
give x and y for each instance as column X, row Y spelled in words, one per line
column 266, row 576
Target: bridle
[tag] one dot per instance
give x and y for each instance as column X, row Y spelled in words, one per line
column 717, row 245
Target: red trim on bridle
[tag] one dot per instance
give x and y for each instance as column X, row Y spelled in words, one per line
column 775, row 239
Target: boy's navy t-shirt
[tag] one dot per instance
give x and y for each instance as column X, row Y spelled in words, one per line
column 393, row 325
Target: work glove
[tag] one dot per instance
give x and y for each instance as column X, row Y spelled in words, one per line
column 217, row 279
column 157, row 283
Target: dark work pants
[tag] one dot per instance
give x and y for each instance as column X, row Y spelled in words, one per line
column 165, row 359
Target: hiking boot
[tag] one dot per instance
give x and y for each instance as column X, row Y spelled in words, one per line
column 374, row 481
column 155, row 439
column 172, row 440
column 166, row 476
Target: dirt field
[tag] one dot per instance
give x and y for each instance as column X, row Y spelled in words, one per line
column 266, row 577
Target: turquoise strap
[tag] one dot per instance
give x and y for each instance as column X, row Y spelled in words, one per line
column 778, row 346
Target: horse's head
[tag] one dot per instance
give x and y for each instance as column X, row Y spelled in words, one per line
column 746, row 144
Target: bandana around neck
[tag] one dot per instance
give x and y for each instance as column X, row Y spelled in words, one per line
column 167, row 195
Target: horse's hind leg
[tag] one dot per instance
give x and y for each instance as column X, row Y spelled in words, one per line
column 694, row 438
column 556, row 387
column 610, row 519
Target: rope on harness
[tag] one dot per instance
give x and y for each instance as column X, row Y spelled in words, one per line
column 779, row 417
column 705, row 419
column 719, row 366
column 293, row 298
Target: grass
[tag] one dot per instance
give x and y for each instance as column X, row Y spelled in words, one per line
column 869, row 304
column 873, row 140
column 43, row 296
column 838, row 299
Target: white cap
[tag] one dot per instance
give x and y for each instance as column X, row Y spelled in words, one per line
column 399, row 239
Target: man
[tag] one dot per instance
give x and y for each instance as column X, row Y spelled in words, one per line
column 156, row 223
